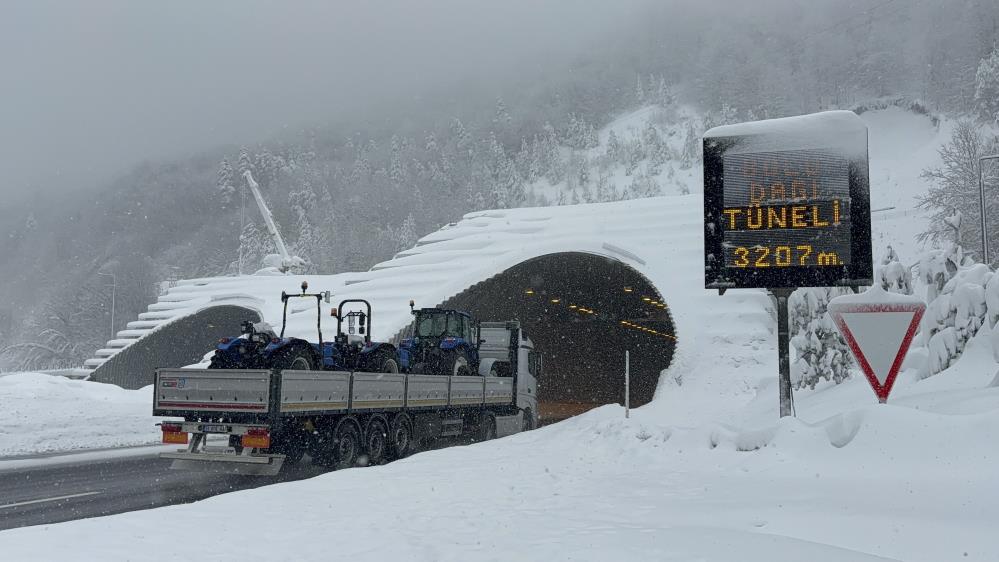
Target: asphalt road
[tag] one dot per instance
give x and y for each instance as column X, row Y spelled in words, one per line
column 51, row 494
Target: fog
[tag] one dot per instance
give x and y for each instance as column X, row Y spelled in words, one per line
column 92, row 88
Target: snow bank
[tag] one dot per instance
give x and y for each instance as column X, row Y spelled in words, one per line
column 897, row 482
column 44, row 413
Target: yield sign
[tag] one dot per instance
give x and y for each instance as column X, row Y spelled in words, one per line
column 879, row 327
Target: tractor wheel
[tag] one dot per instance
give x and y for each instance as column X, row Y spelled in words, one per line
column 296, row 359
column 219, row 361
column 401, row 439
column 387, row 364
column 455, row 363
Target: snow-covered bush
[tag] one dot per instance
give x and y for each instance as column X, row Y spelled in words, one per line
column 893, row 276
column 959, row 295
column 820, row 350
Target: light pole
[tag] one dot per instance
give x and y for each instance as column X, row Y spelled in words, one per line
column 114, row 288
column 981, row 204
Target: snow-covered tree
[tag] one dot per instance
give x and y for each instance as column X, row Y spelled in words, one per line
column 639, row 90
column 406, row 235
column 224, row 182
column 819, row 348
column 691, row 154
column 987, row 87
column 954, row 186
column 501, row 115
column 892, row 275
column 613, row 147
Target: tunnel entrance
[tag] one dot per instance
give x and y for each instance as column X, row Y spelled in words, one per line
column 181, row 342
column 582, row 311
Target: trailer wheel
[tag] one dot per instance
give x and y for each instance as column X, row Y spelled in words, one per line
column 528, row 423
column 346, row 445
column 376, row 442
column 401, row 440
column 487, row 427
column 291, row 446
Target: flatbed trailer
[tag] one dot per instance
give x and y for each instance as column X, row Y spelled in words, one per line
column 274, row 416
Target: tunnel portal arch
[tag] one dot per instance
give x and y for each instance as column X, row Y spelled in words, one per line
column 581, row 311
column 181, row 342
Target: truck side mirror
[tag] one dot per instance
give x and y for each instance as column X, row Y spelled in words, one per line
column 326, row 297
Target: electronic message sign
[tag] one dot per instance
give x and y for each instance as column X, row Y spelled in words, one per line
column 787, row 203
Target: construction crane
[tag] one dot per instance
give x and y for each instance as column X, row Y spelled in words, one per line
column 288, row 261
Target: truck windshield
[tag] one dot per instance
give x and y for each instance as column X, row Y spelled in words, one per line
column 431, row 325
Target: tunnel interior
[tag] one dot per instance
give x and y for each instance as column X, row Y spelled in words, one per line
column 581, row 311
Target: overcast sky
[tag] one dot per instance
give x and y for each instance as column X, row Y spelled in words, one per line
column 89, row 89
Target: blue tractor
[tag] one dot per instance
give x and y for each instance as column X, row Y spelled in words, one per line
column 260, row 348
column 444, row 342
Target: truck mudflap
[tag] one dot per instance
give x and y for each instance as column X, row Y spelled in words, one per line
column 199, row 456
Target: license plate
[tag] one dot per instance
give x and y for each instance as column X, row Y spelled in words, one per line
column 214, row 428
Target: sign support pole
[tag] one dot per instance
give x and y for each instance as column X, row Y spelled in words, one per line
column 783, row 348
column 627, row 384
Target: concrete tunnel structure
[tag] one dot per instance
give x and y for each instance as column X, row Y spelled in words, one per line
column 586, row 281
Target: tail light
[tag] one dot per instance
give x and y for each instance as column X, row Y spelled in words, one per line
column 173, row 433
column 257, row 437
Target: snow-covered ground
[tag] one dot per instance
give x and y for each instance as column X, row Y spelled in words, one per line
column 42, row 413
column 848, row 480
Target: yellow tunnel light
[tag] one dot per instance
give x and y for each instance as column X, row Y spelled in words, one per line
column 556, row 301
column 646, row 299
column 627, row 289
column 572, row 306
column 529, row 292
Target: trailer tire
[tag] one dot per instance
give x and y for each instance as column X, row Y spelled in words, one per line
column 487, row 427
column 401, row 440
column 346, row 445
column 529, row 422
column 376, row 441
column 291, row 446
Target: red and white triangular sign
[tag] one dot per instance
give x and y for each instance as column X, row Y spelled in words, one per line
column 878, row 326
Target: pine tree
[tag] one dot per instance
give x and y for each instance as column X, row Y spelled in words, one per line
column 664, row 94
column 987, row 87
column 639, row 91
column 501, row 116
column 406, row 235
column 397, row 168
column 613, row 147
column 224, row 182
column 691, row 148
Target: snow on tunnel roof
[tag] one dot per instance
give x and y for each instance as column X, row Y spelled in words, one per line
column 660, row 238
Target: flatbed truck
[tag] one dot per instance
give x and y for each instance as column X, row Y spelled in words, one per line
column 261, row 419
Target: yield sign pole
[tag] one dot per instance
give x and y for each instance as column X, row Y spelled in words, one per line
column 878, row 327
